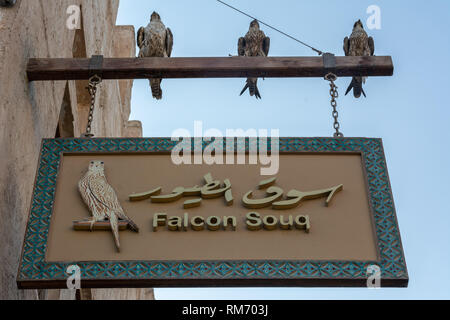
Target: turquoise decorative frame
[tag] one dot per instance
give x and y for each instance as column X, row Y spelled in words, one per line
column 35, row 272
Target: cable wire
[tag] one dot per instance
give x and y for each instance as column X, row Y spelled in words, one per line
column 268, row 25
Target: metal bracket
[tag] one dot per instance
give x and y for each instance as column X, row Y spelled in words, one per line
column 96, row 66
column 329, row 63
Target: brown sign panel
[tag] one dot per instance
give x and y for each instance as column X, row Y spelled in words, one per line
column 127, row 216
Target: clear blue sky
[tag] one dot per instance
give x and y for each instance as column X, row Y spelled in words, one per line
column 410, row 111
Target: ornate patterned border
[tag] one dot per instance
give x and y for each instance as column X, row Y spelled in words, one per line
column 35, row 272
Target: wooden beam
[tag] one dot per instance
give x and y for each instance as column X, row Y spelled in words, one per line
column 228, row 67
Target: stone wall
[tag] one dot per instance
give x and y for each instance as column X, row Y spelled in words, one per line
column 32, row 111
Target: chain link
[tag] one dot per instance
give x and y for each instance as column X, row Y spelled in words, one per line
column 334, row 95
column 92, row 89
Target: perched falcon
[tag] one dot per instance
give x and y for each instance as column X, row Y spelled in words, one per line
column 155, row 40
column 359, row 44
column 254, row 44
column 102, row 201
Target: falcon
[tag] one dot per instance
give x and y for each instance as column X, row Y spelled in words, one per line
column 254, row 44
column 359, row 44
column 102, row 201
column 155, row 40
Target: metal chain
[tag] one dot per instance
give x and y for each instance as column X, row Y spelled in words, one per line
column 92, row 89
column 334, row 95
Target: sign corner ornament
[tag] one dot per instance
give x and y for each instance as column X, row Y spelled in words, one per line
column 44, row 265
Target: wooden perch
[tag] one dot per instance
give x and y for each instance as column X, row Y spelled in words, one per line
column 228, row 67
column 98, row 226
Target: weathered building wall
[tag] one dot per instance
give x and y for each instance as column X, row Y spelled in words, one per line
column 32, row 111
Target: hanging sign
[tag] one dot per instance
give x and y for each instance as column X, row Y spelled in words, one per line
column 141, row 213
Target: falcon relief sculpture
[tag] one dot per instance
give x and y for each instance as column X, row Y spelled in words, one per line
column 102, row 200
column 155, row 40
column 254, row 44
column 359, row 44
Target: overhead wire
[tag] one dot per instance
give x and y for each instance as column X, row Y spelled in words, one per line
column 273, row 28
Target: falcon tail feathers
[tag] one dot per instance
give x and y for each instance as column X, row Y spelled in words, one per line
column 155, row 85
column 364, row 94
column 252, row 86
column 114, row 221
column 257, row 94
column 356, row 85
column 245, row 88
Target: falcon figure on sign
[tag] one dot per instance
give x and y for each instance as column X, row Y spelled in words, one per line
column 254, row 44
column 359, row 44
column 155, row 40
column 102, row 200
